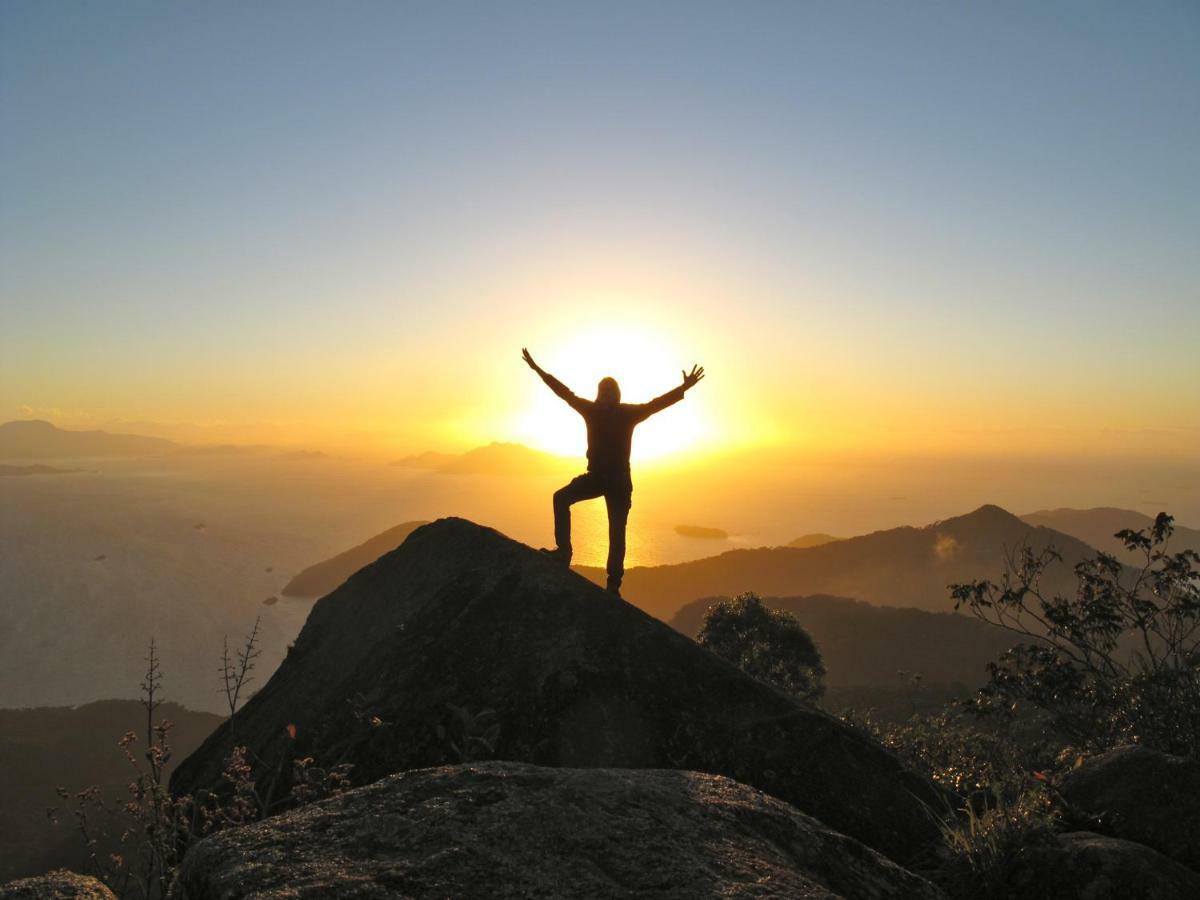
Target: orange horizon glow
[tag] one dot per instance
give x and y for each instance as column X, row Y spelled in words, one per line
column 819, row 390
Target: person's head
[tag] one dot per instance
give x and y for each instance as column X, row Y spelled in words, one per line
column 608, row 391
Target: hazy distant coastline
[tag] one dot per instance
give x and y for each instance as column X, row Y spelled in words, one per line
column 36, row 469
column 35, row 438
column 702, row 532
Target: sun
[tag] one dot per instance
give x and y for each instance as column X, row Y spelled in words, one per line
column 645, row 364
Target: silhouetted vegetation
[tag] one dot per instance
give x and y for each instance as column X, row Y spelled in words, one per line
column 1116, row 661
column 986, row 845
column 766, row 644
column 73, row 748
column 236, row 670
column 134, row 847
column 1119, row 661
column 150, row 825
column 864, row 648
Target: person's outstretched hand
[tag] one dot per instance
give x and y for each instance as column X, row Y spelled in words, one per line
column 691, row 378
column 529, row 360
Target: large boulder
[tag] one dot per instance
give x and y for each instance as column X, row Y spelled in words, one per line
column 1083, row 865
column 57, row 885
column 461, row 615
column 1142, row 795
column 510, row 830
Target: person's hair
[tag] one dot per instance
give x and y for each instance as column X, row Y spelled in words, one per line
column 608, row 388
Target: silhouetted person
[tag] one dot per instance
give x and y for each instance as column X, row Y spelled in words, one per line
column 610, row 425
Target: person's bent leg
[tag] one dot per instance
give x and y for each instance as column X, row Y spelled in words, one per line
column 583, row 487
column 618, row 502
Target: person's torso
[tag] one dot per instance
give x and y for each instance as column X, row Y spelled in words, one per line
column 610, row 437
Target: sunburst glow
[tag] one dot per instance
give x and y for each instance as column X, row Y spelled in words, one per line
column 645, row 364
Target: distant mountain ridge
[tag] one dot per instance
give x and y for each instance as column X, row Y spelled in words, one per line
column 223, row 449
column 908, row 567
column 492, row 459
column 36, row 438
column 900, row 567
column 1099, row 525
column 430, row 459
column 39, row 439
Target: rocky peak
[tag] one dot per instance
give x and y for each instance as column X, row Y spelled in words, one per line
column 418, row 656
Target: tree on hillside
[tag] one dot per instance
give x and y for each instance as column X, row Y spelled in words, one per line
column 1118, row 661
column 767, row 644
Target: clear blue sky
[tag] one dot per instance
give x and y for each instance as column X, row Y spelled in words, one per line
column 190, row 186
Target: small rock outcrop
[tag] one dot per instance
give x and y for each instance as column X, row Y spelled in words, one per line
column 415, row 659
column 1142, row 795
column 1082, row 865
column 509, row 830
column 57, row 885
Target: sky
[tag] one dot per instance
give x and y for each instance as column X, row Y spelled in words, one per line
column 938, row 228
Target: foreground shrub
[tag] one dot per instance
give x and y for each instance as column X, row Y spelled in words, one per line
column 984, row 849
column 1117, row 662
column 135, row 847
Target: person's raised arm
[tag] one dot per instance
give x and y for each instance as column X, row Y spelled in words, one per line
column 658, row 404
column 576, row 403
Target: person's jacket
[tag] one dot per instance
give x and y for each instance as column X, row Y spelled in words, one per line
column 610, row 425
